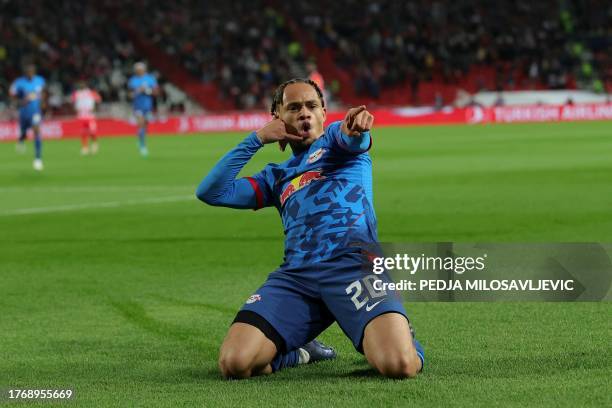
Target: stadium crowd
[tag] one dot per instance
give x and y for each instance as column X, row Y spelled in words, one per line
column 390, row 42
column 244, row 47
column 67, row 41
column 247, row 48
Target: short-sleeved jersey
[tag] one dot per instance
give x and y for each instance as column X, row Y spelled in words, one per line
column 142, row 86
column 84, row 101
column 324, row 196
column 29, row 92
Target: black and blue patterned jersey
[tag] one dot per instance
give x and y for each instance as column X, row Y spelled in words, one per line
column 323, row 194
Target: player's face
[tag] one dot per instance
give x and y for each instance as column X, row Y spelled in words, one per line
column 139, row 71
column 30, row 71
column 303, row 110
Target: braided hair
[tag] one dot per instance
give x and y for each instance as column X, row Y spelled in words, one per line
column 277, row 99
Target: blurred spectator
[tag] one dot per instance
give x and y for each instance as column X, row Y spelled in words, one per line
column 499, row 100
column 246, row 48
column 526, row 41
column 67, row 41
column 174, row 98
column 315, row 75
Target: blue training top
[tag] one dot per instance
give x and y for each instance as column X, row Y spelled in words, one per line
column 142, row 86
column 29, row 93
column 323, row 194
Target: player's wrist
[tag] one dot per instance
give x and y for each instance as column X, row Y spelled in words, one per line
column 347, row 132
column 260, row 138
column 256, row 137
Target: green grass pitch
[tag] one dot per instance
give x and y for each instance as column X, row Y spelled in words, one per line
column 115, row 281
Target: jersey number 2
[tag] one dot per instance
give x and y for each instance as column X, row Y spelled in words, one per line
column 356, row 288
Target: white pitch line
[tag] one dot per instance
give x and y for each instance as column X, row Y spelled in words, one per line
column 106, row 204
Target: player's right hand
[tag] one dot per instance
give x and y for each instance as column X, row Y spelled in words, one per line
column 278, row 131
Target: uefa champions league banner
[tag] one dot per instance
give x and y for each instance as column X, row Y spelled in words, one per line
column 488, row 272
column 248, row 121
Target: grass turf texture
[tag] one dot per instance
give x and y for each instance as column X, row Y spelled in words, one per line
column 116, row 282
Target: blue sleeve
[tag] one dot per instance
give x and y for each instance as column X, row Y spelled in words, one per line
column 131, row 84
column 14, row 89
column 220, row 187
column 350, row 144
column 153, row 81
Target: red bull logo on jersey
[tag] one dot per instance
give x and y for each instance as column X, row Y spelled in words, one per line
column 299, row 182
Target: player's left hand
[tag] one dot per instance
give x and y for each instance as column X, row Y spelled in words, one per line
column 357, row 121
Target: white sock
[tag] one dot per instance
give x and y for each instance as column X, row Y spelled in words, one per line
column 304, row 357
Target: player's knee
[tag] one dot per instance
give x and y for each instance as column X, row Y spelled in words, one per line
column 235, row 364
column 399, row 365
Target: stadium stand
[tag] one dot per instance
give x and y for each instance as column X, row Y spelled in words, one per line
column 230, row 55
column 244, row 48
column 67, row 41
column 421, row 48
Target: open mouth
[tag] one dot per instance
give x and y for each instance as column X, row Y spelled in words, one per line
column 305, row 128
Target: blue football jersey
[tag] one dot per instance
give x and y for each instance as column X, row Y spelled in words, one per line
column 324, row 196
column 142, row 86
column 29, row 92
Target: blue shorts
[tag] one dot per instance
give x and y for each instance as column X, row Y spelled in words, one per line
column 295, row 305
column 27, row 121
column 147, row 113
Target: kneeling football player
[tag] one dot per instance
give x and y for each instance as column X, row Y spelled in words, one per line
column 323, row 194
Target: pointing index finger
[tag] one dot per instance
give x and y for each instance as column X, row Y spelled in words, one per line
column 352, row 114
column 358, row 110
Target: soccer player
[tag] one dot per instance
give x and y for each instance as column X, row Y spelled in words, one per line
column 84, row 100
column 28, row 91
column 143, row 87
column 315, row 76
column 323, row 193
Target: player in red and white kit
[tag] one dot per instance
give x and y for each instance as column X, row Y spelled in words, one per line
column 84, row 100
